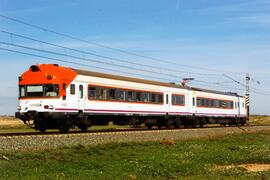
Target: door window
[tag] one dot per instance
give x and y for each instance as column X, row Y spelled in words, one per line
column 81, row 91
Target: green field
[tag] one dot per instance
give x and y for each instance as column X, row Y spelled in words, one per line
column 197, row 159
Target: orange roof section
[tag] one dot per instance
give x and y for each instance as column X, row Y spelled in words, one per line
column 47, row 74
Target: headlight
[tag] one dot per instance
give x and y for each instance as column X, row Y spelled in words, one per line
column 19, row 108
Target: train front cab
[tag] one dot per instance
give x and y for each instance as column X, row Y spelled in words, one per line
column 43, row 96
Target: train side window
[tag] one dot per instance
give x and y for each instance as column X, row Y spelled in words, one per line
column 81, row 91
column 203, row 102
column 193, row 101
column 120, row 94
column 72, row 89
column 103, row 93
column 138, row 96
column 212, row 103
column 232, row 105
column 153, row 98
column 22, row 91
column 160, row 98
column 111, row 94
column 199, row 102
column 129, row 96
column 178, row 100
column 145, row 96
column 99, row 93
column 206, row 102
column 91, row 92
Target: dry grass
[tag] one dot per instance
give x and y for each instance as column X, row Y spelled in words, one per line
column 259, row 119
column 10, row 122
column 247, row 167
column 168, row 142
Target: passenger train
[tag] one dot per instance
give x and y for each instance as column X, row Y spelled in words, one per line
column 56, row 97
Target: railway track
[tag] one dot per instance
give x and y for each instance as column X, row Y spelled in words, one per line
column 35, row 141
column 78, row 132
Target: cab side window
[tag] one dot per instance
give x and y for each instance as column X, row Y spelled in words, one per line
column 72, row 89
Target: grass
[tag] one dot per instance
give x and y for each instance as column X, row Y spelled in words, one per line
column 167, row 159
column 259, row 119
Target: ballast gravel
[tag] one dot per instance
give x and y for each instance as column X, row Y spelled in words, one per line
column 45, row 142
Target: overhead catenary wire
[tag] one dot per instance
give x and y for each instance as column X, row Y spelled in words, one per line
column 126, row 52
column 108, row 47
column 243, row 85
column 235, row 88
column 105, row 57
column 85, row 59
column 98, row 61
column 81, row 64
column 92, row 66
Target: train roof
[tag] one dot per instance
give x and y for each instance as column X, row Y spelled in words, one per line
column 144, row 81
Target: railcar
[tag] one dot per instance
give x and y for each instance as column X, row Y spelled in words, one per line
column 57, row 97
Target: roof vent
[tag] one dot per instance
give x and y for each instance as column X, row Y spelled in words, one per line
column 55, row 64
column 34, row 68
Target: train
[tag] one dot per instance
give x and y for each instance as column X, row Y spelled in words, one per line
column 57, row 97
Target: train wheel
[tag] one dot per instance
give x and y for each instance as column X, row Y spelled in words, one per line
column 40, row 125
column 149, row 126
column 176, row 126
column 84, row 123
column 177, row 123
column 149, row 123
column 201, row 125
column 64, row 129
column 64, row 125
column 42, row 129
column 83, row 127
column 194, row 124
column 159, row 124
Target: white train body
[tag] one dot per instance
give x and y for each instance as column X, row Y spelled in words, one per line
column 85, row 98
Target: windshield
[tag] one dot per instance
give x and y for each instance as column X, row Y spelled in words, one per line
column 44, row 90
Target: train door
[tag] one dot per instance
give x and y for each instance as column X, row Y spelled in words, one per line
column 193, row 103
column 81, row 98
column 238, row 107
column 167, row 103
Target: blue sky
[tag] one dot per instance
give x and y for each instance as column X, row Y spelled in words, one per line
column 201, row 36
